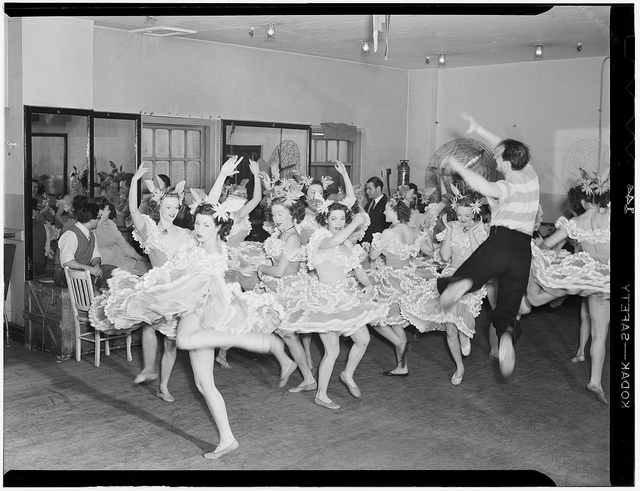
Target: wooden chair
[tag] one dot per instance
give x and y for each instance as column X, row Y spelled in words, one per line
column 81, row 294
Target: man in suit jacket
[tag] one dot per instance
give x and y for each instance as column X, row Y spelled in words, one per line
column 375, row 208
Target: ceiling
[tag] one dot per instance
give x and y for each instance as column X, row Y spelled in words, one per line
column 468, row 35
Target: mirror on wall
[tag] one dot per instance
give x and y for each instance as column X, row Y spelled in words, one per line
column 67, row 153
column 273, row 145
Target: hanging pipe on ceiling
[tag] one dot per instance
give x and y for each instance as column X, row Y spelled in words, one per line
column 600, row 115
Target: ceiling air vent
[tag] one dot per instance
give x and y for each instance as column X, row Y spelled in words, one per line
column 163, row 32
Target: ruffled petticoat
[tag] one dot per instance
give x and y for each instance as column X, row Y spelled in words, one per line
column 426, row 313
column 562, row 273
column 192, row 282
column 396, row 287
column 244, row 261
column 122, row 284
column 339, row 307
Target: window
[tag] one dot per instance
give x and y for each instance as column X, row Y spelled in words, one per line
column 324, row 153
column 175, row 150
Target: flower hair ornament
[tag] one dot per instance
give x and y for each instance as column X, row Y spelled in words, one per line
column 80, row 176
column 114, row 176
column 397, row 197
column 306, row 181
column 326, row 181
column 159, row 192
column 594, row 184
column 323, row 209
column 457, row 195
column 221, row 211
column 289, row 189
column 476, row 205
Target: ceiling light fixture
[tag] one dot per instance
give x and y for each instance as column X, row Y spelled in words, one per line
column 537, row 54
column 365, row 47
column 442, row 59
column 270, row 33
column 159, row 31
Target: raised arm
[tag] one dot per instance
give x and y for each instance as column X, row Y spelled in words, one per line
column 136, row 216
column 445, row 248
column 257, row 191
column 482, row 132
column 227, row 169
column 340, row 237
column 473, row 179
column 348, row 186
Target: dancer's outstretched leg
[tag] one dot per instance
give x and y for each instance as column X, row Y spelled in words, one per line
column 192, row 336
column 149, row 351
column 202, row 366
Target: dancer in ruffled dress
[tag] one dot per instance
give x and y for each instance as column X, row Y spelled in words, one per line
column 458, row 241
column 395, row 278
column 244, row 256
column 284, row 277
column 333, row 303
column 316, row 192
column 161, row 242
column 586, row 273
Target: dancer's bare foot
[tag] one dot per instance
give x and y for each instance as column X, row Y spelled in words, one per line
column 579, row 358
column 165, row 396
column 457, row 377
column 223, row 362
column 285, row 373
column 598, row 392
column 144, row 376
column 222, row 449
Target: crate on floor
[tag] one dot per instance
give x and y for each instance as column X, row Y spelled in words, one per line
column 48, row 322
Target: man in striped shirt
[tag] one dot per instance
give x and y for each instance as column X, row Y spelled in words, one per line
column 506, row 254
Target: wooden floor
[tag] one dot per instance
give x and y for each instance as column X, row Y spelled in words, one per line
column 72, row 416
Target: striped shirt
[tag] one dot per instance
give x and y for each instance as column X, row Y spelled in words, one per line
column 519, row 209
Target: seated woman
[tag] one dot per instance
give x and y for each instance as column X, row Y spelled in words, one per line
column 113, row 247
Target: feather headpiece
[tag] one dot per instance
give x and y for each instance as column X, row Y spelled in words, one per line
column 594, row 184
column 158, row 193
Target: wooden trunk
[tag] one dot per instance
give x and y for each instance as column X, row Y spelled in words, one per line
column 48, row 322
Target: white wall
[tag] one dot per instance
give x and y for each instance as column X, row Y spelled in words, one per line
column 57, row 59
column 553, row 106
column 186, row 78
